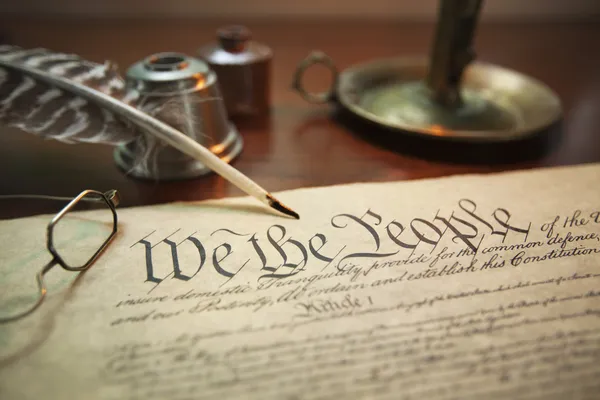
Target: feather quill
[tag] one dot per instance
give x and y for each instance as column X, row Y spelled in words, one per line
column 64, row 97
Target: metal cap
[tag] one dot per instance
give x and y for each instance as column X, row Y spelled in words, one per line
column 234, row 46
column 166, row 67
column 234, row 38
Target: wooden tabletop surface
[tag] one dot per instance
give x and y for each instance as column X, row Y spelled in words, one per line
column 303, row 145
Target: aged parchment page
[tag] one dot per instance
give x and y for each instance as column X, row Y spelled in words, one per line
column 463, row 287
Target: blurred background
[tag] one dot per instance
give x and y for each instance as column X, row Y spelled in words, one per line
column 404, row 9
column 300, row 145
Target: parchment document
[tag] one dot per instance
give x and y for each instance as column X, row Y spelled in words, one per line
column 456, row 288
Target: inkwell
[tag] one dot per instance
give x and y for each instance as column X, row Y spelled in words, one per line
column 189, row 99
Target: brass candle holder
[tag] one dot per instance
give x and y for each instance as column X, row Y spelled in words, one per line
column 447, row 96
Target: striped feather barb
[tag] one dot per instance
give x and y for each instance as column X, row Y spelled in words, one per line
column 40, row 93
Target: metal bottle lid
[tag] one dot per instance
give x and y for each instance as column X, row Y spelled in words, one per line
column 235, row 46
column 170, row 73
column 234, row 38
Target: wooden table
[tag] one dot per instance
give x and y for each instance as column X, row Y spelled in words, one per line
column 305, row 145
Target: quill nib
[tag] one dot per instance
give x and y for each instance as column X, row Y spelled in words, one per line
column 277, row 205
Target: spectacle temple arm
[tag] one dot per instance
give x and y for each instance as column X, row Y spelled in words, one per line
column 112, row 195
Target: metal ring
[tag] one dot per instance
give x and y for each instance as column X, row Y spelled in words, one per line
column 316, row 57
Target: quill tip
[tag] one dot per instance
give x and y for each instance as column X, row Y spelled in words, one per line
column 277, row 205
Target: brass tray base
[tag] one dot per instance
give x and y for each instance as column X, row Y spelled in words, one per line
column 498, row 104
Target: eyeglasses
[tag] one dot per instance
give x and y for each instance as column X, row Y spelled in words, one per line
column 93, row 232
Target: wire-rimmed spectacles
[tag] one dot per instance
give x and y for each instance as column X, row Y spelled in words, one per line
column 71, row 261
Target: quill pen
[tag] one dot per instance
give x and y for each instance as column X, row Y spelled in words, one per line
column 63, row 97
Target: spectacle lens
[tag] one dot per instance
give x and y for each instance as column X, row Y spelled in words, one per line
column 81, row 233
